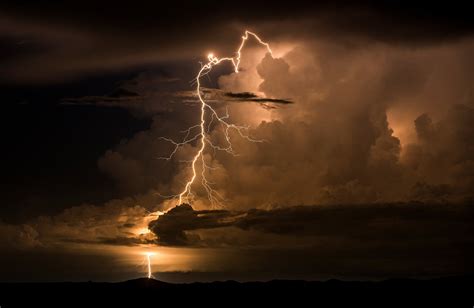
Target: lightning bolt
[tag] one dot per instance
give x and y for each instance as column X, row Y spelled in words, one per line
column 200, row 132
column 148, row 259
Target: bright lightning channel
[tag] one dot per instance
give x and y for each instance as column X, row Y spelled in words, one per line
column 148, row 259
column 204, row 126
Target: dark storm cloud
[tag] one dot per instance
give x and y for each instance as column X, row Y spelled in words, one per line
column 172, row 225
column 218, row 96
column 357, row 240
column 50, row 42
column 119, row 241
column 251, row 97
column 118, row 98
column 149, row 104
column 393, row 18
column 270, row 100
column 241, row 95
column 399, row 223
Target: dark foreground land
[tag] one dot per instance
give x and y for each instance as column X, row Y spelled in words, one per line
column 444, row 292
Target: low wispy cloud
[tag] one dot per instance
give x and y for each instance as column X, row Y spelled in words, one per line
column 123, row 97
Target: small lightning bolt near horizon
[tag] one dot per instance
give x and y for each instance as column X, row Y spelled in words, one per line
column 148, row 259
column 199, row 132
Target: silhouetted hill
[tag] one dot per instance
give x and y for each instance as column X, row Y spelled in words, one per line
column 447, row 292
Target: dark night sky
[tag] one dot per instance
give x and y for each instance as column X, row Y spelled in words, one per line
column 49, row 143
column 379, row 125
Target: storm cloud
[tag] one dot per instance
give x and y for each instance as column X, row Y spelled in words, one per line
column 363, row 160
column 363, row 239
column 397, row 222
column 372, row 123
column 76, row 38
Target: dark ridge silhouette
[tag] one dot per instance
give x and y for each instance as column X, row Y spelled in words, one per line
column 447, row 292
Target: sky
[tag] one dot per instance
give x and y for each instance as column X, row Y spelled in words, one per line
column 354, row 158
